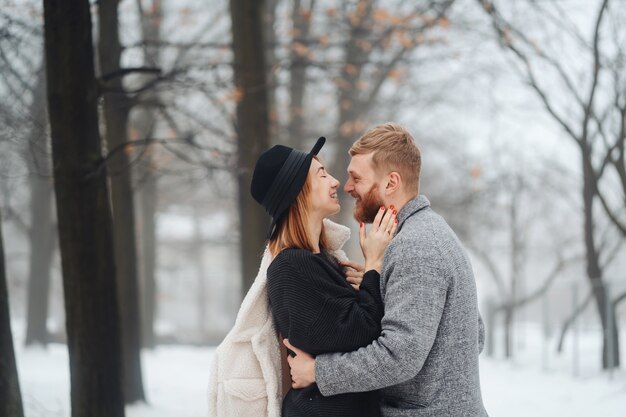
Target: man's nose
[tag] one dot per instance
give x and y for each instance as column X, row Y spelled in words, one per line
column 348, row 186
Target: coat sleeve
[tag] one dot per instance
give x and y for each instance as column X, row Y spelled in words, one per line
column 323, row 316
column 415, row 297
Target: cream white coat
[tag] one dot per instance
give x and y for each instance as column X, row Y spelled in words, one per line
column 245, row 376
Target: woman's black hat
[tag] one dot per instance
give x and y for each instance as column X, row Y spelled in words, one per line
column 278, row 177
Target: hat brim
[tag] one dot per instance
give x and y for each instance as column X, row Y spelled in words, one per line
column 295, row 186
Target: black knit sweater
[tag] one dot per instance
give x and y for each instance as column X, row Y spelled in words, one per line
column 319, row 312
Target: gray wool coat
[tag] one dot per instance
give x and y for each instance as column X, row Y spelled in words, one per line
column 425, row 361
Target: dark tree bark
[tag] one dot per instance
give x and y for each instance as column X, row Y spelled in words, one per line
column 116, row 113
column 42, row 233
column 84, row 214
column 10, row 396
column 252, row 126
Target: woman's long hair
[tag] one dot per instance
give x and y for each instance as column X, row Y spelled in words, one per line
column 291, row 230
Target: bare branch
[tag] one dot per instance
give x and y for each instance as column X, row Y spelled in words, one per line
column 502, row 28
column 492, row 267
column 596, row 69
column 572, row 318
column 609, row 212
column 125, row 71
column 619, row 299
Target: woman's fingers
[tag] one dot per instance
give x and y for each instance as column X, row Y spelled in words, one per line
column 394, row 226
column 387, row 219
column 292, row 348
column 362, row 233
column 378, row 218
column 353, row 265
column 392, row 221
column 355, row 280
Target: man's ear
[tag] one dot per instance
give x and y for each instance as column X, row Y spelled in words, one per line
column 394, row 182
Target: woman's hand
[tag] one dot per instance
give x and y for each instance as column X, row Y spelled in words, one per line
column 374, row 243
column 354, row 273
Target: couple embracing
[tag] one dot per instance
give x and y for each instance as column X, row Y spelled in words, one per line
column 319, row 335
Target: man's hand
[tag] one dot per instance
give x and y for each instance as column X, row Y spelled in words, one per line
column 302, row 367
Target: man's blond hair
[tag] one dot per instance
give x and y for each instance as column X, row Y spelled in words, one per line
column 393, row 149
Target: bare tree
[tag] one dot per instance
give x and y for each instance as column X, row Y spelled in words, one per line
column 503, row 214
column 372, row 57
column 116, row 114
column 23, row 78
column 592, row 117
column 144, row 123
column 348, row 55
column 42, row 231
column 252, row 125
column 301, row 17
column 84, row 215
column 10, row 395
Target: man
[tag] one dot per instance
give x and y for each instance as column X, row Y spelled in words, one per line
column 425, row 361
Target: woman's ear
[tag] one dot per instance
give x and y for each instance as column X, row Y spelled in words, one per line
column 394, row 182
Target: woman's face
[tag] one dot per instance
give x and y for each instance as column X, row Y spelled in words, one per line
column 323, row 190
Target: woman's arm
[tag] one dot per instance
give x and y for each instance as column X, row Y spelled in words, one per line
column 321, row 315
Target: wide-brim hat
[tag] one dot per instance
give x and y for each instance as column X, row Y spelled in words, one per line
column 279, row 175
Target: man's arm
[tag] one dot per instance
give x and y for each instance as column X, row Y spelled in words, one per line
column 414, row 301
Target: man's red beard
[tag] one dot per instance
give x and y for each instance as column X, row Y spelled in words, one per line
column 366, row 210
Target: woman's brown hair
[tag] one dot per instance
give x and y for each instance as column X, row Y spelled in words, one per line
column 291, row 230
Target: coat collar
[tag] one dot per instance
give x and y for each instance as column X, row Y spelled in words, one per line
column 411, row 207
column 337, row 234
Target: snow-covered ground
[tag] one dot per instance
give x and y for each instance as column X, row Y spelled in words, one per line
column 176, row 378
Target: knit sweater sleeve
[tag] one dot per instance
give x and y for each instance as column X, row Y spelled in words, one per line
column 315, row 312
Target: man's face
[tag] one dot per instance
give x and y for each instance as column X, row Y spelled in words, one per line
column 363, row 185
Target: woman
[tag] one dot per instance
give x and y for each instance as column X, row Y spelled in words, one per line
column 310, row 301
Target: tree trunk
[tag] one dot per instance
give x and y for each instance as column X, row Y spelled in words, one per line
column 148, row 205
column 508, row 331
column 594, row 271
column 116, row 112
column 297, row 82
column 201, row 276
column 84, row 214
column 351, row 112
column 516, row 266
column 10, row 396
column 252, row 127
column 144, row 123
column 42, row 234
column 269, row 36
column 349, row 103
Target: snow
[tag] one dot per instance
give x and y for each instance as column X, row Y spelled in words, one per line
column 175, row 379
column 512, row 390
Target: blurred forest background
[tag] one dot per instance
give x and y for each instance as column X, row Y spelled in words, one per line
column 129, row 130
